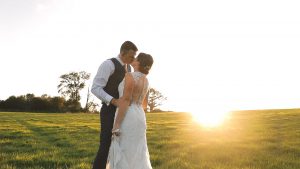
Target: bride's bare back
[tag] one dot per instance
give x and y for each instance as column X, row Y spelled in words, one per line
column 140, row 87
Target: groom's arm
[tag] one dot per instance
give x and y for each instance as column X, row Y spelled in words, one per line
column 105, row 70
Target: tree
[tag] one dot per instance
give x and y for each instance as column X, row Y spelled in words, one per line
column 90, row 105
column 155, row 99
column 71, row 83
column 14, row 103
column 57, row 104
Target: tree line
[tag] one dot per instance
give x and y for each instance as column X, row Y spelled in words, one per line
column 44, row 103
column 69, row 87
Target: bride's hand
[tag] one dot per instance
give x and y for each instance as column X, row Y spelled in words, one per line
column 116, row 130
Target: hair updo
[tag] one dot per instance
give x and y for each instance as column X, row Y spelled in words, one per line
column 145, row 61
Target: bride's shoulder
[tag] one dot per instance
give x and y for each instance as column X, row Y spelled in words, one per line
column 129, row 81
column 129, row 76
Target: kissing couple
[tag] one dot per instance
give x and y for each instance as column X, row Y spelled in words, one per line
column 124, row 96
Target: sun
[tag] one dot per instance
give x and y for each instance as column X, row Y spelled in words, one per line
column 210, row 117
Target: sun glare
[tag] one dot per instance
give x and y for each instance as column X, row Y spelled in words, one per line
column 210, row 117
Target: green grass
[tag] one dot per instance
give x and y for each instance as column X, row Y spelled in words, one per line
column 268, row 139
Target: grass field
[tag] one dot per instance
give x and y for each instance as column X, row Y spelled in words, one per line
column 268, row 139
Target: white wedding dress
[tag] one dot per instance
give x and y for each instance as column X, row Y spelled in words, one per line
column 130, row 150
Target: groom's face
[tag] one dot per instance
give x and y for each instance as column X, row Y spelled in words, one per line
column 128, row 56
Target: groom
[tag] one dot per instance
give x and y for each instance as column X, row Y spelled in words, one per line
column 105, row 87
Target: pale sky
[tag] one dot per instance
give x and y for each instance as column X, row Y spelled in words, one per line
column 208, row 54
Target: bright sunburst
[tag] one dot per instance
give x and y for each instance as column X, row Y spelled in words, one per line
column 210, row 117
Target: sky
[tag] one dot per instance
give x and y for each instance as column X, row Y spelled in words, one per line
column 216, row 55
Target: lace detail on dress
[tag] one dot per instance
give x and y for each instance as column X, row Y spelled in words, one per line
column 140, row 89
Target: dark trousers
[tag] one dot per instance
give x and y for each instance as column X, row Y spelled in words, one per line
column 107, row 115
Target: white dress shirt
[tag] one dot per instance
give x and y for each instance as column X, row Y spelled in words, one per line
column 105, row 70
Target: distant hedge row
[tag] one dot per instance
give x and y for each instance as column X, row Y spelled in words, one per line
column 45, row 103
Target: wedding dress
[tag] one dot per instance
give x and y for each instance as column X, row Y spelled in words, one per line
column 130, row 150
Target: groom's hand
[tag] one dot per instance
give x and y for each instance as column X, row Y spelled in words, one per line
column 114, row 102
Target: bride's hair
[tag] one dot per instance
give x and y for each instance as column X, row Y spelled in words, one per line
column 145, row 61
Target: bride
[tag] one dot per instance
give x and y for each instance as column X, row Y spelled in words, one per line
column 129, row 148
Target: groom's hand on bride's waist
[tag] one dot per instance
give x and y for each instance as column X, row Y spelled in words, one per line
column 114, row 102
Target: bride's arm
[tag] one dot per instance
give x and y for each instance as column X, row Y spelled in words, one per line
column 124, row 101
column 145, row 102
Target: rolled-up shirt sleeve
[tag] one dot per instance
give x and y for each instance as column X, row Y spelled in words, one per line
column 104, row 71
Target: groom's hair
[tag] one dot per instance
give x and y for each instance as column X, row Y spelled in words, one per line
column 127, row 45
